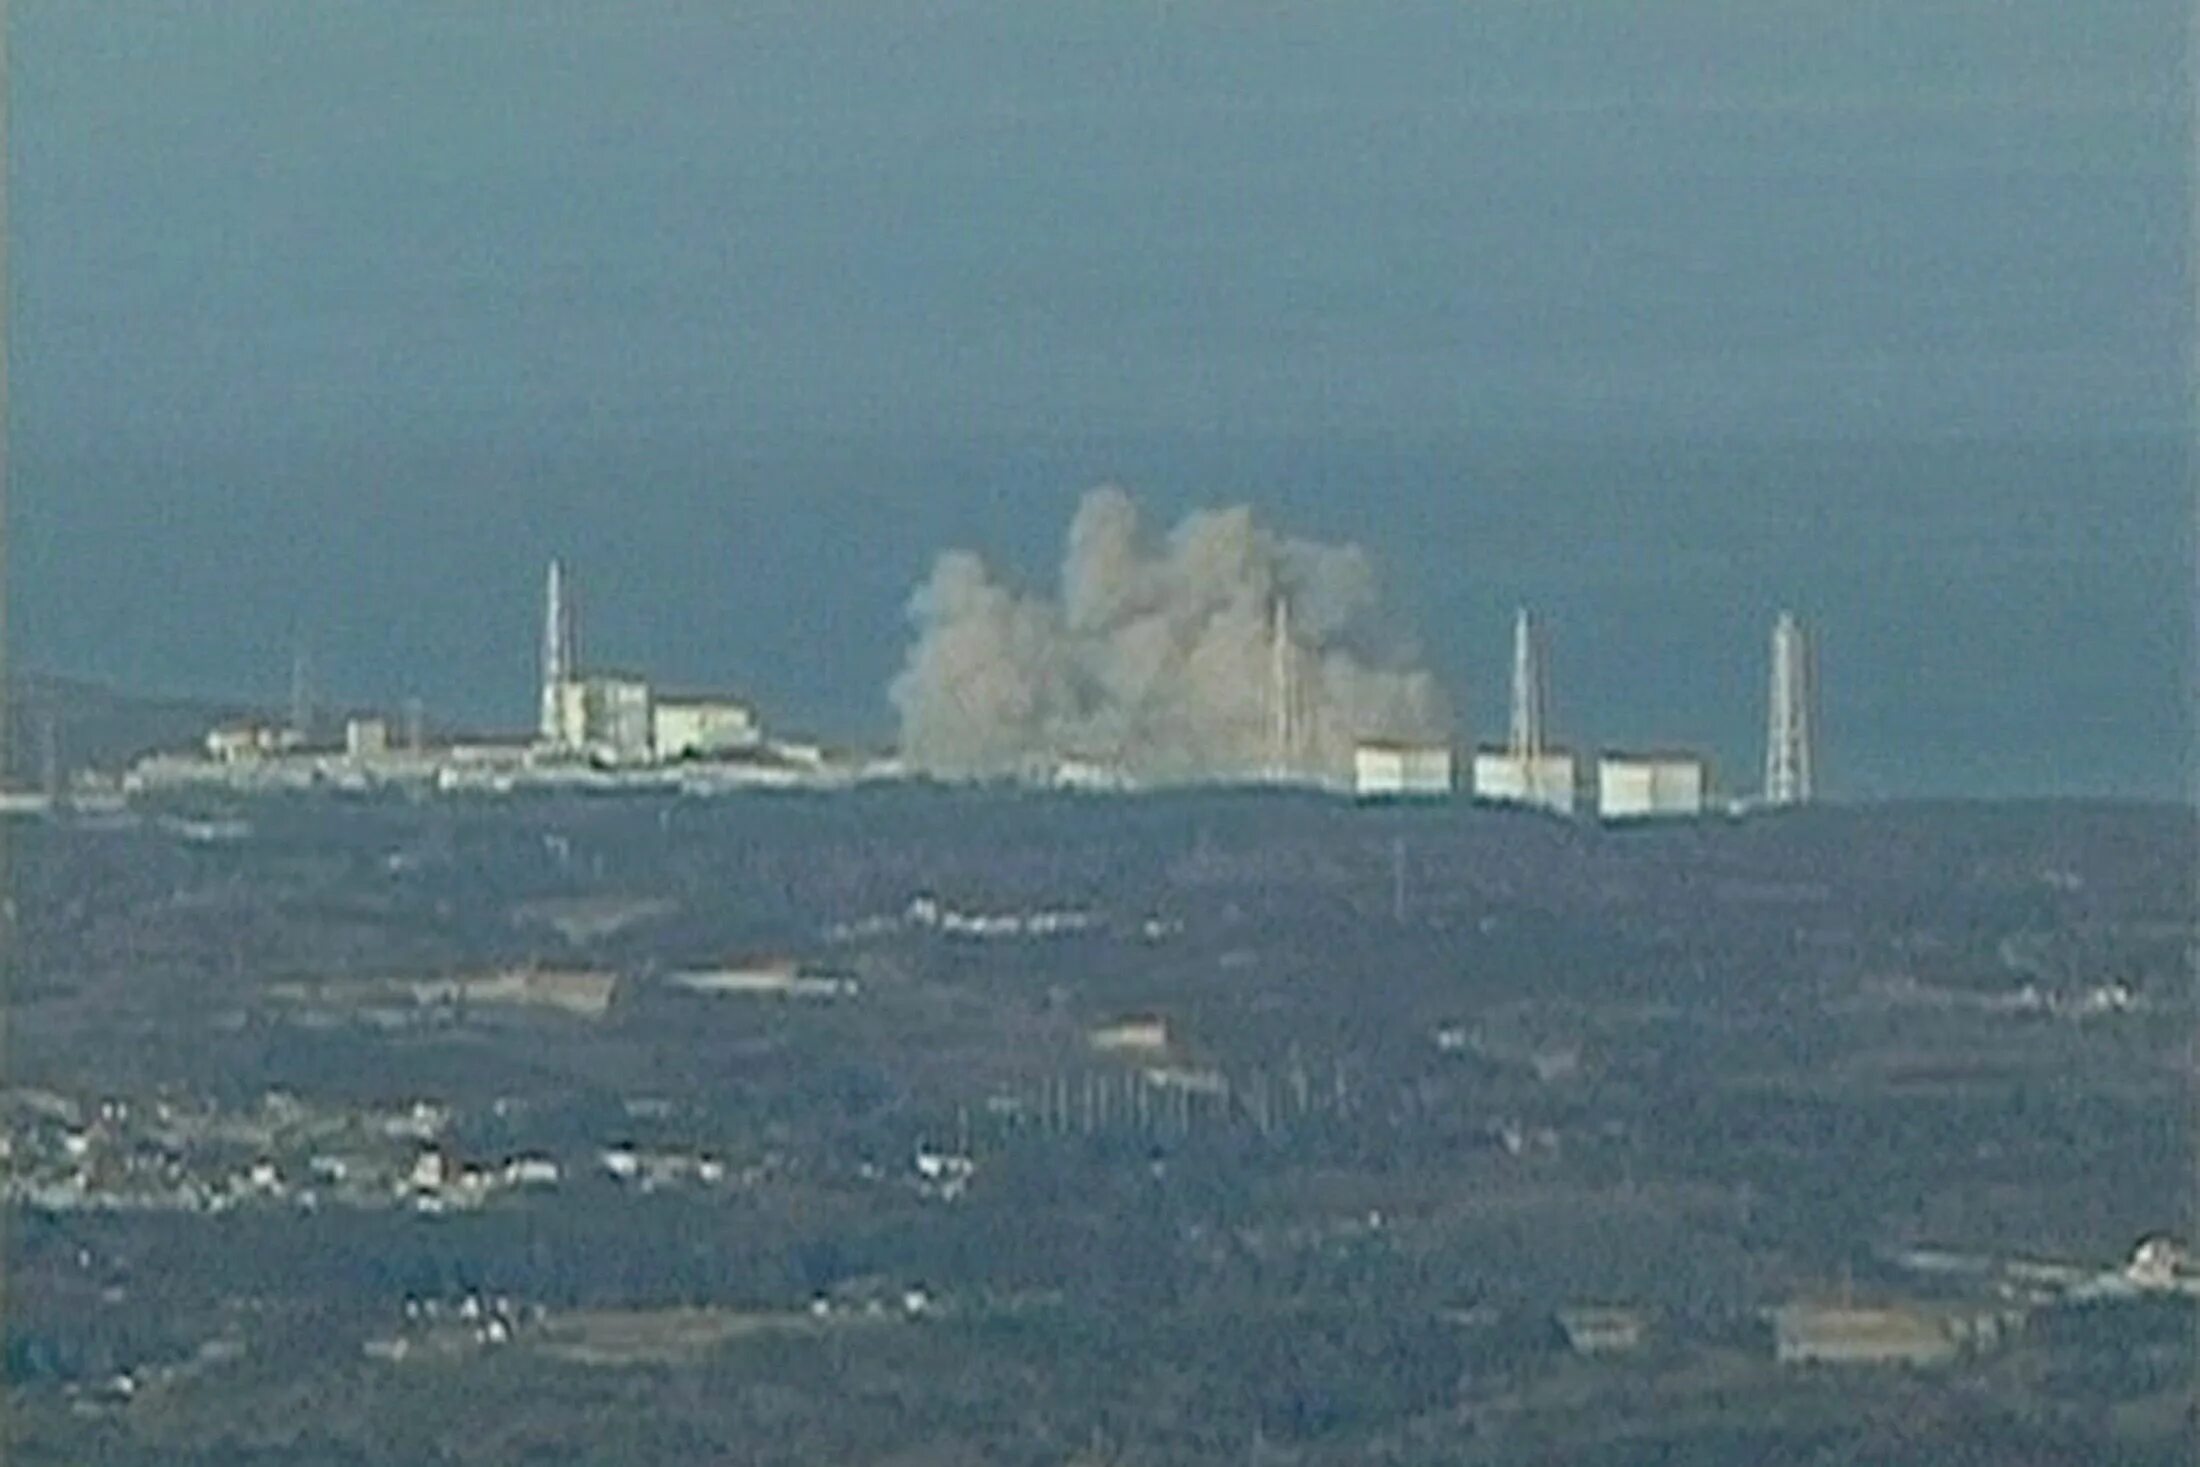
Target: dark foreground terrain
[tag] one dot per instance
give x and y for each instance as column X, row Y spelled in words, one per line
column 920, row 1127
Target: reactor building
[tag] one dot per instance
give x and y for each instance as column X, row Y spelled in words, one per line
column 1527, row 771
column 618, row 719
column 1651, row 785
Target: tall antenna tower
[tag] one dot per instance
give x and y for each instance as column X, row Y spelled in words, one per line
column 1530, row 692
column 1791, row 732
column 1528, row 746
column 559, row 653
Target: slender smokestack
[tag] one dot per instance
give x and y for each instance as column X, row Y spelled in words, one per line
column 557, row 654
column 1282, row 693
column 1528, row 747
column 1529, row 691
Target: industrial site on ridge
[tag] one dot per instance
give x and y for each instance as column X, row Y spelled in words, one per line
column 616, row 731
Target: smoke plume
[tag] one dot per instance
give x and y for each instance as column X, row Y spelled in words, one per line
column 1159, row 660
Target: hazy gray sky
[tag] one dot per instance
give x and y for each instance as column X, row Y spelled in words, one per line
column 333, row 320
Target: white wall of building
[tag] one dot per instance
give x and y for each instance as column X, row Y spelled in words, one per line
column 366, row 738
column 1634, row 787
column 1546, row 783
column 700, row 728
column 608, row 718
column 1385, row 769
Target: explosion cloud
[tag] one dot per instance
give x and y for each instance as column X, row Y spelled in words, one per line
column 1161, row 661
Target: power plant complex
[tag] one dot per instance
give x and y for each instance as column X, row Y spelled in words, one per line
column 1625, row 785
column 594, row 730
column 612, row 730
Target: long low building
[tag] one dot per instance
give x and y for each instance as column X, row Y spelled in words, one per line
column 1893, row 1334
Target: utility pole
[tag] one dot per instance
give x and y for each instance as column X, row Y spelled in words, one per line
column 1398, row 881
column 301, row 694
column 50, row 778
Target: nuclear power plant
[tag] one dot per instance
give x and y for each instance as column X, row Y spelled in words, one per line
column 1531, row 772
column 1302, row 723
column 593, row 730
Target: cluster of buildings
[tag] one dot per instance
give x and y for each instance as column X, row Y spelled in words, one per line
column 60, row 1154
column 174, row 1154
column 1528, row 770
column 613, row 720
column 611, row 730
column 595, row 730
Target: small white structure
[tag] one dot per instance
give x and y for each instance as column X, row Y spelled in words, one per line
column 1075, row 772
column 365, row 739
column 1142, row 1034
column 1599, row 1330
column 430, row 1171
column 1383, row 769
column 1542, row 781
column 702, row 728
column 532, row 1171
column 236, row 743
column 1651, row 785
column 2158, row 1263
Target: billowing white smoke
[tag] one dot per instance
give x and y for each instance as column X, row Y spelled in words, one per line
column 1160, row 661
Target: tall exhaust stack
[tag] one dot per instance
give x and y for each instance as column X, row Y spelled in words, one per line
column 1528, row 692
column 558, row 655
column 1283, row 731
column 1790, row 733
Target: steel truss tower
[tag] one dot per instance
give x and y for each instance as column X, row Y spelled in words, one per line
column 1791, row 731
column 1528, row 746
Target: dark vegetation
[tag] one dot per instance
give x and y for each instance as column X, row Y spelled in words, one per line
column 1696, row 1071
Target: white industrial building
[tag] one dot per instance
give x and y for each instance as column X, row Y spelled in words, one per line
column 1542, row 781
column 1389, row 770
column 244, row 742
column 701, row 728
column 607, row 717
column 1648, row 786
column 366, row 738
